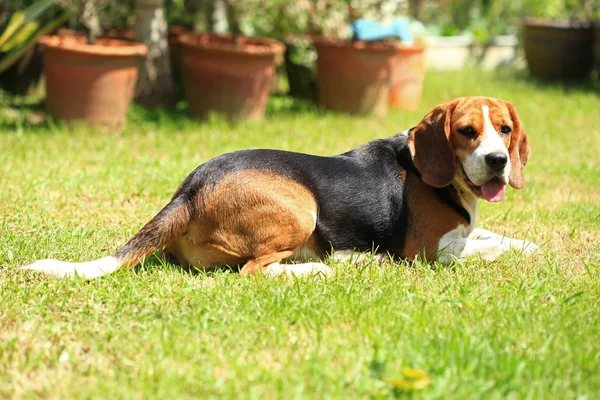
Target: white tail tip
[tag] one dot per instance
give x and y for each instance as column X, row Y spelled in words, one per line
column 88, row 270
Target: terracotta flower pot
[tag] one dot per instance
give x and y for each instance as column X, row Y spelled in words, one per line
column 354, row 77
column 407, row 76
column 226, row 78
column 558, row 49
column 93, row 83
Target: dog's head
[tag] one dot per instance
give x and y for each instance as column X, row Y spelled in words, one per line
column 476, row 142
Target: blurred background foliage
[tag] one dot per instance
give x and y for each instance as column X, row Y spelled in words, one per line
column 481, row 19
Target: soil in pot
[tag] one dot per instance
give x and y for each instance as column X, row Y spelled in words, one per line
column 120, row 33
column 94, row 83
column 408, row 74
column 558, row 49
column 227, row 78
column 354, row 77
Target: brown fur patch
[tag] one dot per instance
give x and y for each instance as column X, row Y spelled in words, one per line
column 430, row 146
column 249, row 217
column 430, row 219
column 518, row 150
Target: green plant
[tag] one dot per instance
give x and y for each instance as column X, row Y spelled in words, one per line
column 480, row 19
column 280, row 18
column 25, row 27
column 182, row 12
column 560, row 9
column 117, row 14
column 381, row 10
column 87, row 12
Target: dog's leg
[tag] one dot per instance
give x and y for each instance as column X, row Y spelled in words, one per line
column 357, row 257
column 507, row 243
column 312, row 268
column 271, row 266
column 480, row 242
column 168, row 224
column 455, row 244
column 487, row 248
column 261, row 264
column 259, row 219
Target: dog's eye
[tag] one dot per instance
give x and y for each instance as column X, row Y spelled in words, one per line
column 505, row 129
column 467, row 131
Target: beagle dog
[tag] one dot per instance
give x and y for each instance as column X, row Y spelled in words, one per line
column 414, row 194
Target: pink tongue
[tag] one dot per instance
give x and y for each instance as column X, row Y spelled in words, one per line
column 493, row 190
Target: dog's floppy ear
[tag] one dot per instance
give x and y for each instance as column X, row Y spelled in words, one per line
column 518, row 150
column 429, row 144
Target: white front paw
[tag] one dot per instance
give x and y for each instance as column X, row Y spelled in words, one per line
column 487, row 248
column 314, row 268
column 274, row 269
column 492, row 250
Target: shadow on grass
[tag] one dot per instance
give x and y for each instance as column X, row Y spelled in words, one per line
column 281, row 104
column 28, row 114
column 156, row 261
column 145, row 118
column 18, row 113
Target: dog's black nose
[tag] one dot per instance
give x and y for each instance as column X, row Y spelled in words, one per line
column 496, row 161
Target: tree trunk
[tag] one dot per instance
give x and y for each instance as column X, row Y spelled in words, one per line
column 155, row 83
column 91, row 22
column 220, row 23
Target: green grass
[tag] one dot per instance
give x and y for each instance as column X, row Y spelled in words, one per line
column 520, row 327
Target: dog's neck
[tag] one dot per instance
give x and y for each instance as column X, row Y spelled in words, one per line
column 467, row 198
column 403, row 153
column 456, row 193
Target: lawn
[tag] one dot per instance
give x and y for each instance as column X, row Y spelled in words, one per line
column 519, row 327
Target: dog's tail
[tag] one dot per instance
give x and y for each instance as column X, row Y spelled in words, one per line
column 168, row 224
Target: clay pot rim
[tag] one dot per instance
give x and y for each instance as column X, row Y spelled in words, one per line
column 223, row 44
column 103, row 46
column 374, row 47
column 576, row 24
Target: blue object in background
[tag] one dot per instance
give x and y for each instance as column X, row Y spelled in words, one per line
column 363, row 29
